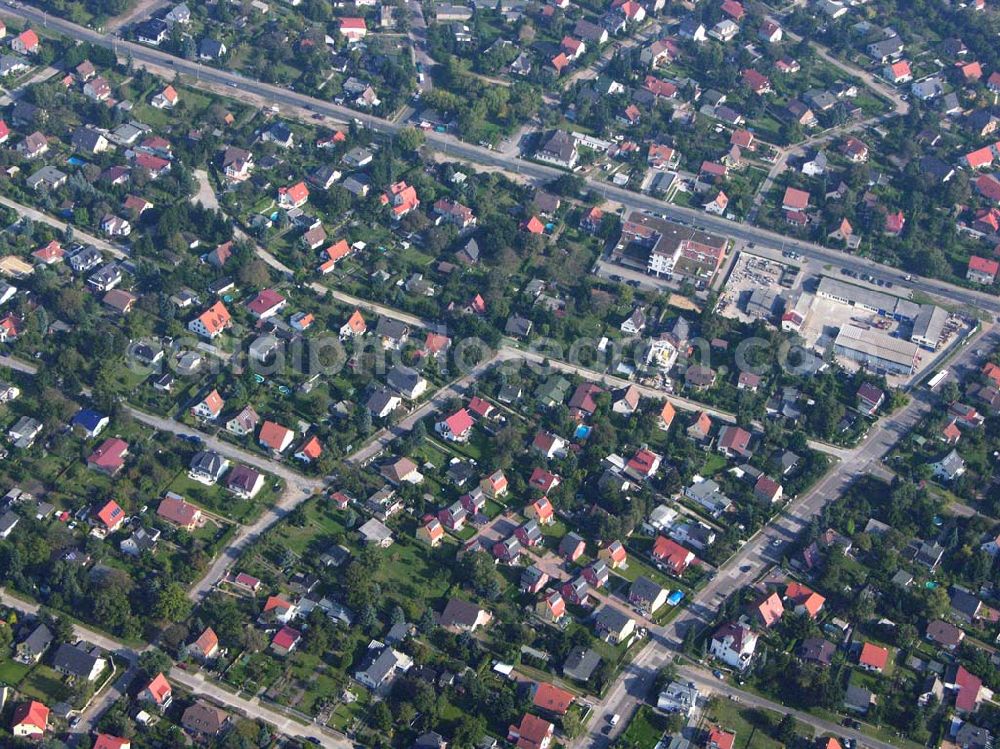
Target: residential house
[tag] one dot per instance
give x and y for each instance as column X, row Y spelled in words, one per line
column 734, row 643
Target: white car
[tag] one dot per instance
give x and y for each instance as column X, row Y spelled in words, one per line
column 615, row 719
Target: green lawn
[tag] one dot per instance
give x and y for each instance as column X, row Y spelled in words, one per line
column 11, row 672
column 45, row 685
column 645, row 729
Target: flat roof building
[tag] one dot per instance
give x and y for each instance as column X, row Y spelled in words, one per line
column 876, row 350
column 929, row 326
column 872, row 300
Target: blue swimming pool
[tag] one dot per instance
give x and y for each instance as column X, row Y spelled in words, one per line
column 582, row 432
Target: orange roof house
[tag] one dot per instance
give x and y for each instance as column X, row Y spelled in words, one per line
column 30, row 720
column 551, row 699
column 50, row 253
column 402, row 197
column 719, row 739
column 112, row 516
column 431, row 532
column 552, row 607
column 804, row 599
column 212, row 322
column 770, row 610
column 541, row 510
column 309, row 450
column 158, row 691
column 533, row 226
column 873, row 657
column 614, row 555
column 334, row 254
column 667, row 414
column 795, row 200
column 107, row 741
column 293, row 197
column 210, row 407
column 355, row 325
column 206, row 645
column 275, row 437
column 26, row 42
column 980, row 158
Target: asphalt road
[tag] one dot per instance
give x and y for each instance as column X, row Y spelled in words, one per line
column 456, row 149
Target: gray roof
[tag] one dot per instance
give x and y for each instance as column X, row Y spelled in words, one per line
column 389, row 328
column 858, row 698
column 74, row 660
column 644, row 589
column 380, row 668
column 964, row 602
column 86, row 139
column 403, row 378
column 460, row 613
column 378, row 400
column 39, row 639
column 930, row 323
column 610, row 619
column 971, row 736
column 517, row 326
column 209, row 463
column 581, row 663
column 7, row 522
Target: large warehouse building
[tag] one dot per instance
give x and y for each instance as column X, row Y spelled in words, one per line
column 928, row 320
column 876, row 350
column 871, row 300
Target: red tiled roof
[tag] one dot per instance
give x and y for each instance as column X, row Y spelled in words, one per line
column 274, row 435
column 795, row 199
column 984, row 265
column 107, row 741
column 207, row 641
column 111, row 514
column 177, row 510
column 31, row 714
column 550, row 697
column 110, row 454
column 266, row 300
column 459, row 422
column 159, row 688
column 873, row 656
column 286, row 637
column 770, row 610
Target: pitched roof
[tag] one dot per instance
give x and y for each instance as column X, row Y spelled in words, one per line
column 158, row 688
column 111, row 514
column 771, row 610
column 551, row 698
column 177, row 510
column 216, row 318
column 31, row 714
column 873, row 656
column 274, row 435
column 459, row 422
